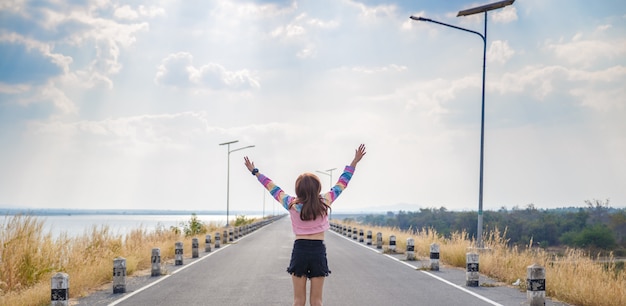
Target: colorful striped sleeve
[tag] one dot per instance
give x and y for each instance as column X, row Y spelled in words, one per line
column 276, row 192
column 342, row 183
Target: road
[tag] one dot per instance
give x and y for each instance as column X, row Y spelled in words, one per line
column 251, row 271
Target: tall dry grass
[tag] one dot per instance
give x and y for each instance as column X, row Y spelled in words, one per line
column 29, row 257
column 574, row 277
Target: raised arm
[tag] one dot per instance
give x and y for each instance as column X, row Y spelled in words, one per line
column 358, row 154
column 275, row 191
column 345, row 177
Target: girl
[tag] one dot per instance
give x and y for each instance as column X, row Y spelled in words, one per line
column 309, row 219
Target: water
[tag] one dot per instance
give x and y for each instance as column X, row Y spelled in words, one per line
column 76, row 225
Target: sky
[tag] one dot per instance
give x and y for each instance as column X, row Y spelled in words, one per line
column 124, row 104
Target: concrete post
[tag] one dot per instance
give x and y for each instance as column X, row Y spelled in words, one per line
column 230, row 234
column 434, row 257
column 178, row 253
column 217, row 240
column 345, row 230
column 156, row 262
column 410, row 249
column 119, row 275
column 207, row 243
column 472, row 276
column 194, row 247
column 368, row 238
column 225, row 237
column 60, row 289
column 361, row 236
column 349, row 231
column 536, row 285
column 392, row 243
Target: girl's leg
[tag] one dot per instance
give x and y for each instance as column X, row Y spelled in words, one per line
column 317, row 286
column 299, row 290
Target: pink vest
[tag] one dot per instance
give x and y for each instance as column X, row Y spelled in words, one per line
column 300, row 227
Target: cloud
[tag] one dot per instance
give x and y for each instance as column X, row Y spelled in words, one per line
column 586, row 52
column 32, row 45
column 505, row 15
column 125, row 12
column 178, row 70
column 499, row 52
column 372, row 13
column 590, row 87
column 137, row 135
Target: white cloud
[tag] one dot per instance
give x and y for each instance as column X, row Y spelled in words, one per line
column 13, row 5
column 44, row 49
column 151, row 11
column 136, row 135
column 500, row 52
column 505, row 15
column 586, row 52
column 372, row 13
column 178, row 70
column 126, row 12
column 388, row 68
column 588, row 86
column 14, row 89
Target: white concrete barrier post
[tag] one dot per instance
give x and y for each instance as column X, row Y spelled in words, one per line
column 434, row 257
column 368, row 238
column 410, row 249
column 392, row 243
column 472, row 276
column 156, row 262
column 119, row 275
column 361, row 236
column 195, row 244
column 217, row 240
column 355, row 234
column 225, row 237
column 345, row 230
column 536, row 285
column 349, row 231
column 207, row 243
column 230, row 234
column 178, row 253
column 379, row 240
column 60, row 289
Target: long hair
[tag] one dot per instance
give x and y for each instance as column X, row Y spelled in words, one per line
column 308, row 188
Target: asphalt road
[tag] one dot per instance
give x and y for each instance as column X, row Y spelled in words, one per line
column 251, row 271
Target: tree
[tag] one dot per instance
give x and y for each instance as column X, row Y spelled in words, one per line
column 598, row 236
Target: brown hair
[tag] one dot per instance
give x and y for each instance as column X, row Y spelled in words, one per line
column 308, row 188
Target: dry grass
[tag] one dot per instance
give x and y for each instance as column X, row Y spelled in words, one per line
column 29, row 257
column 574, row 277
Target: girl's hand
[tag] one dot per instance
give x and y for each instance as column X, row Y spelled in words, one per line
column 359, row 153
column 249, row 164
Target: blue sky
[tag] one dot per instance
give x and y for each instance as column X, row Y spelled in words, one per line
column 123, row 104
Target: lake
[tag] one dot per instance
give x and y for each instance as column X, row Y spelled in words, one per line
column 75, row 225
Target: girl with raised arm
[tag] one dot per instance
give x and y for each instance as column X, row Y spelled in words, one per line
column 309, row 220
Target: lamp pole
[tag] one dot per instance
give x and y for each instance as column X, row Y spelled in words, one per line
column 228, row 174
column 328, row 172
column 476, row 10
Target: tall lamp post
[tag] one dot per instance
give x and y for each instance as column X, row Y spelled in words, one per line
column 328, row 172
column 476, row 10
column 228, row 174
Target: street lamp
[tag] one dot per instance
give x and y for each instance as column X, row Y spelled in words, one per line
column 228, row 174
column 467, row 12
column 328, row 172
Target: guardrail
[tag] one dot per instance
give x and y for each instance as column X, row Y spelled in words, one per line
column 60, row 282
column 535, row 280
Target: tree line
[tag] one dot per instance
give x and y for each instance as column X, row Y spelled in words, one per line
column 596, row 226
